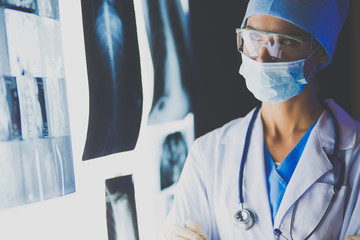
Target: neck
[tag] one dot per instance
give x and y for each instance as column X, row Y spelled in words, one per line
column 291, row 117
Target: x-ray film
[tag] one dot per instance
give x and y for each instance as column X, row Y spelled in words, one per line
column 35, row 170
column 31, row 107
column 10, row 109
column 36, row 160
column 56, row 107
column 36, row 157
column 114, row 75
column 120, row 209
column 51, row 50
column 170, row 50
column 26, row 4
column 33, row 165
column 23, row 43
column 173, row 156
column 6, row 130
column 48, row 8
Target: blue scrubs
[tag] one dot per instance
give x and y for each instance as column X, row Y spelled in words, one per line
column 279, row 177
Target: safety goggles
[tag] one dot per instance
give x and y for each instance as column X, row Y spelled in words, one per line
column 281, row 47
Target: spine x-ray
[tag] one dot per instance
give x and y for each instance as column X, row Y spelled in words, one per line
column 114, row 75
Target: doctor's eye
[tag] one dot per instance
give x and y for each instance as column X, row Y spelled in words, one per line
column 288, row 42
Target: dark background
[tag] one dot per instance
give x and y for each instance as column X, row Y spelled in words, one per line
column 221, row 91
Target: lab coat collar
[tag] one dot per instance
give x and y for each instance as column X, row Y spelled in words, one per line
column 313, row 164
column 346, row 127
column 236, row 130
column 314, row 161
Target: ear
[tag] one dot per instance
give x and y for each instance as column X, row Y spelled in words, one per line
column 320, row 55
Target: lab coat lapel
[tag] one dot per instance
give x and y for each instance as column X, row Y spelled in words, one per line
column 256, row 193
column 313, row 164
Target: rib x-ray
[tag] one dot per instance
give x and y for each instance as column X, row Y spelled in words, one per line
column 170, row 50
column 120, row 209
column 114, row 77
column 174, row 153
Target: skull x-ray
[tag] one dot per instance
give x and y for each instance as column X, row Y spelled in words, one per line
column 174, row 153
column 170, row 50
column 114, row 76
column 120, row 209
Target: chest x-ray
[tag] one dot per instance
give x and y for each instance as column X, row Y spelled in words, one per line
column 170, row 50
column 120, row 209
column 114, row 75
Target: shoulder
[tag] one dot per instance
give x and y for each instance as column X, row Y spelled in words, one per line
column 349, row 129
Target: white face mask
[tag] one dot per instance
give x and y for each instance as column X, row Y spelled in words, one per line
column 273, row 81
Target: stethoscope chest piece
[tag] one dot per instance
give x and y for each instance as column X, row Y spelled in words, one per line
column 245, row 219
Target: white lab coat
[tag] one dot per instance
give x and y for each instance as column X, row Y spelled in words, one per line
column 208, row 189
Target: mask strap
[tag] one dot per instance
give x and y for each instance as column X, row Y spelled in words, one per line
column 308, row 58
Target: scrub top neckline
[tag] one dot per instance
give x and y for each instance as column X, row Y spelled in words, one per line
column 278, row 177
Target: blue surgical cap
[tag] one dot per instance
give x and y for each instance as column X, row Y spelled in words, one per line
column 323, row 19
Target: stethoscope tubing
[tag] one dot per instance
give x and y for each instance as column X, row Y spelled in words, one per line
column 333, row 159
column 245, row 151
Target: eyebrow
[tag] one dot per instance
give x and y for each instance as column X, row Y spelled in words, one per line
column 249, row 27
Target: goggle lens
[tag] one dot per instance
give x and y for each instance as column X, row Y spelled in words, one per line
column 280, row 47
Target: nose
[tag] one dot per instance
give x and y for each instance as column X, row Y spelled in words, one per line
column 264, row 56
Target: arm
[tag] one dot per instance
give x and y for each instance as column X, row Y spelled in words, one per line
column 192, row 231
column 351, row 224
column 191, row 201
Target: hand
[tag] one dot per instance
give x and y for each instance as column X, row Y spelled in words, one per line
column 354, row 237
column 192, row 231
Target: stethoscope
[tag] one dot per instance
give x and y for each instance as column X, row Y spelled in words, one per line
column 246, row 218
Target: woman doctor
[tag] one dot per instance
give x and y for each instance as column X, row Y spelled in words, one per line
column 290, row 169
